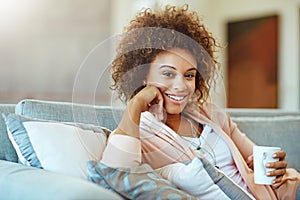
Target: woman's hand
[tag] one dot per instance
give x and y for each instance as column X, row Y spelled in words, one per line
column 280, row 168
column 250, row 162
column 149, row 98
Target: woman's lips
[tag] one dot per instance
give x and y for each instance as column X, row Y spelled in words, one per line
column 176, row 99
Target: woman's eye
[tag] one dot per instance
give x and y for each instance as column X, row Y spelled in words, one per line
column 190, row 76
column 168, row 74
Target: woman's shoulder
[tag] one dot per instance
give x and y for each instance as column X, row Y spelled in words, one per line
column 208, row 113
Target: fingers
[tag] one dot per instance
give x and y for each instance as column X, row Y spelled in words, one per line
column 280, row 168
column 250, row 161
column 277, row 172
column 276, row 185
column 147, row 97
column 160, row 102
column 153, row 101
column 154, row 95
column 281, row 155
column 279, row 176
column 277, row 165
column 277, row 182
column 157, row 112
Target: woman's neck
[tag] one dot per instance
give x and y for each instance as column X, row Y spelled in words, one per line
column 183, row 126
column 173, row 121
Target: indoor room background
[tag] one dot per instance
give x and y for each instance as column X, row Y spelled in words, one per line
column 60, row 50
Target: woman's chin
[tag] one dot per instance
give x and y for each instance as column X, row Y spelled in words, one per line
column 174, row 110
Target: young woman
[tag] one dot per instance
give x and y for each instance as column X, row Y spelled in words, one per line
column 164, row 70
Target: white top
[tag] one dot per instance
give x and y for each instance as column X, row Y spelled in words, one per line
column 217, row 152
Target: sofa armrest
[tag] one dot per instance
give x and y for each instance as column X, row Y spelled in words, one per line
column 22, row 182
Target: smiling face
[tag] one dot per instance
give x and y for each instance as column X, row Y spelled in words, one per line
column 174, row 73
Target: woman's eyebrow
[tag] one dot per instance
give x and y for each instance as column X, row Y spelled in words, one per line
column 167, row 66
column 191, row 69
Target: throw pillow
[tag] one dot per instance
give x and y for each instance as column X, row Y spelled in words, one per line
column 59, row 147
column 201, row 179
column 139, row 182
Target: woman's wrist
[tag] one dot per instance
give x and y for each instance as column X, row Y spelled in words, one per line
column 130, row 121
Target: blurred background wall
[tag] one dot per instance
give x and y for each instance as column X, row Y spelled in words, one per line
column 46, row 45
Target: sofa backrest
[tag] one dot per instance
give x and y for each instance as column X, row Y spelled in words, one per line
column 70, row 112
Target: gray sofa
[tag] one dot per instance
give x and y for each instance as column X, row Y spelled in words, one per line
column 264, row 127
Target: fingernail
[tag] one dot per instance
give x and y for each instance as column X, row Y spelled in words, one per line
column 273, row 182
column 274, row 155
column 268, row 165
column 268, row 173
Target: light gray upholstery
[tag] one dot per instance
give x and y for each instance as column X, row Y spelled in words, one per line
column 27, row 183
column 7, row 151
column 70, row 112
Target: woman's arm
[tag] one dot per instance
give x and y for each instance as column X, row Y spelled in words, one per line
column 245, row 146
column 122, row 151
column 141, row 102
column 123, row 148
column 242, row 142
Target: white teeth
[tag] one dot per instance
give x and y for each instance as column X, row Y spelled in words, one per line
column 176, row 98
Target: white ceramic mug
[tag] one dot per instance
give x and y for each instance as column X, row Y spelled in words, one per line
column 262, row 155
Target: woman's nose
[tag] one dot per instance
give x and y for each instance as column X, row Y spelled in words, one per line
column 179, row 83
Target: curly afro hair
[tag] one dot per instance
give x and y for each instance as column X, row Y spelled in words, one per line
column 152, row 32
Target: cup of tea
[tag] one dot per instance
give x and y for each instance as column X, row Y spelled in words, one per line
column 261, row 156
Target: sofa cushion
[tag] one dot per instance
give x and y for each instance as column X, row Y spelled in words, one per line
column 203, row 180
column 22, row 182
column 139, row 182
column 58, row 147
column 7, row 151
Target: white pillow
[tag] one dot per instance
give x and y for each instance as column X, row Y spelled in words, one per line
column 193, row 179
column 59, row 147
column 196, row 178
